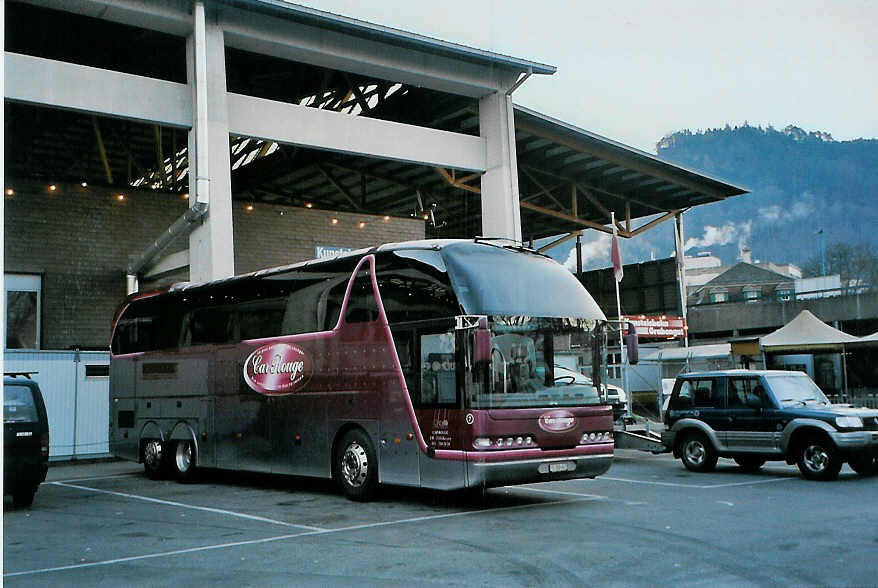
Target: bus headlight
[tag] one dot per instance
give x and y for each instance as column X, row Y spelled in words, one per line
column 481, row 443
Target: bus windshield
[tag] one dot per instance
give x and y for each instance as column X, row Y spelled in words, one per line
column 498, row 281
column 522, row 372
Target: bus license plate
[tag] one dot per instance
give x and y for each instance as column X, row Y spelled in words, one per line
column 555, row 467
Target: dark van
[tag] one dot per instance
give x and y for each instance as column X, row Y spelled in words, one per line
column 25, row 438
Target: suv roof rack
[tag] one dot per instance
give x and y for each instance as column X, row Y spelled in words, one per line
column 17, row 374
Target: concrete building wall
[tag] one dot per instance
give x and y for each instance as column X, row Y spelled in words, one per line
column 79, row 240
column 272, row 235
column 765, row 317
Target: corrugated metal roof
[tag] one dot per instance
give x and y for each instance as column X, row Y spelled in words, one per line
column 527, row 117
column 359, row 28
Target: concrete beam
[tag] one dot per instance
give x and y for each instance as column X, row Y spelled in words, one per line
column 46, row 82
column 211, row 245
column 501, row 214
column 168, row 16
column 167, row 264
column 335, row 131
column 269, row 35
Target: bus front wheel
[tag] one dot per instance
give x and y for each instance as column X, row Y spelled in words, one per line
column 355, row 466
column 184, row 461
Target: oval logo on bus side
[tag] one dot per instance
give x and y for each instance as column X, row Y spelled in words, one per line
column 557, row 421
column 278, row 368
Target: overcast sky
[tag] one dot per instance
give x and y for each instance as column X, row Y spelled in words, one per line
column 634, row 70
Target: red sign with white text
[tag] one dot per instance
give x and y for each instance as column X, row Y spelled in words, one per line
column 279, row 368
column 657, row 327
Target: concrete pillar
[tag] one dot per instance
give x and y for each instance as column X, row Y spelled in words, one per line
column 501, row 215
column 211, row 246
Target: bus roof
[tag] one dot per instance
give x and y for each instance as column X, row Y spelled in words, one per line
column 425, row 244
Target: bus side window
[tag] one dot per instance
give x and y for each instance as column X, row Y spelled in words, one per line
column 211, row 325
column 303, row 309
column 362, row 304
column 260, row 321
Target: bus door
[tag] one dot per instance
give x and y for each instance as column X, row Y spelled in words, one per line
column 427, row 353
column 399, row 448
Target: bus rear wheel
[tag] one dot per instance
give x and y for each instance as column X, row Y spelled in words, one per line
column 355, row 466
column 155, row 462
column 184, row 461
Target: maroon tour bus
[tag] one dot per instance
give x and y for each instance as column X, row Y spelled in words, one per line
column 427, row 364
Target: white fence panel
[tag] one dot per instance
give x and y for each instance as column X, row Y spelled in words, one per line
column 78, row 406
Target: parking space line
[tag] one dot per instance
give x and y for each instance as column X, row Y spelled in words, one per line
column 132, row 474
column 190, row 506
column 563, row 492
column 696, row 486
column 109, row 562
column 264, row 540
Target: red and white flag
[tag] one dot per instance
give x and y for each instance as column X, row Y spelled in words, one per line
column 617, row 257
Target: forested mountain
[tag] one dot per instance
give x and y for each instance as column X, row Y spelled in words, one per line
column 800, row 182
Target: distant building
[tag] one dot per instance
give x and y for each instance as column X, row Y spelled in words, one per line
column 701, row 269
column 818, row 287
column 744, row 282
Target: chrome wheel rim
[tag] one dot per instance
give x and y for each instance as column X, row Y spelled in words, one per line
column 815, row 458
column 694, row 452
column 184, row 456
column 355, row 465
column 152, row 454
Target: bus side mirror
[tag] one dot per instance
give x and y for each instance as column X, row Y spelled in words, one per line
column 483, row 342
column 631, row 345
column 483, row 345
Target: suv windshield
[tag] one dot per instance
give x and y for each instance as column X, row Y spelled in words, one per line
column 522, row 371
column 18, row 404
column 790, row 389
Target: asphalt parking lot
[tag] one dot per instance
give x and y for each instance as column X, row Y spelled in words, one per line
column 647, row 522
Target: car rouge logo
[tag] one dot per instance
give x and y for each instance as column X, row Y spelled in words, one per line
column 279, row 368
column 557, row 421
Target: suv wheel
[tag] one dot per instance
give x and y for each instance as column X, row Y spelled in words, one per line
column 748, row 463
column 696, row 453
column 818, row 459
column 23, row 497
column 864, row 464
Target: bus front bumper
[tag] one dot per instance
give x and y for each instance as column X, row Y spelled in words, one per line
column 501, row 473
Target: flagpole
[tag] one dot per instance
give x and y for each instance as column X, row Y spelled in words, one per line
column 617, row 257
column 681, row 273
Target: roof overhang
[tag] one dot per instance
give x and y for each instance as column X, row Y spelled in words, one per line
column 573, row 179
column 376, row 32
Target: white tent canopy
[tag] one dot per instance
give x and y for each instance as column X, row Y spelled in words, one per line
column 867, row 341
column 806, row 332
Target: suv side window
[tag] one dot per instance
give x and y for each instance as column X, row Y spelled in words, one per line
column 703, row 393
column 741, row 388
